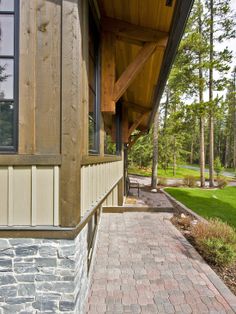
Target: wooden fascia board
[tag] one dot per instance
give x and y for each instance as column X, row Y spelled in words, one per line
column 133, row 69
column 133, row 31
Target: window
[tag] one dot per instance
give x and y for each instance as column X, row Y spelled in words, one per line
column 94, row 90
column 8, row 75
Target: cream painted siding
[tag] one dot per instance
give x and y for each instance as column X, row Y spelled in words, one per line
column 29, row 196
column 96, row 181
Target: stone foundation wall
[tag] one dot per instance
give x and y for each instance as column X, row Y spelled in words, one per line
column 43, row 276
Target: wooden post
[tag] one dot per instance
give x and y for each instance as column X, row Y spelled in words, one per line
column 125, row 125
column 72, row 124
column 108, row 72
column 121, row 192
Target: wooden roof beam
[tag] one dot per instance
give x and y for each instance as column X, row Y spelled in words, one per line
column 108, row 72
column 133, row 70
column 134, row 32
column 135, row 138
column 135, row 107
column 136, row 123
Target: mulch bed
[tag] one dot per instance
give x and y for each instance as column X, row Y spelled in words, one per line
column 227, row 274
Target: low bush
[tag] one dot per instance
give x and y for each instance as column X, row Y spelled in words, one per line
column 215, row 228
column 216, row 240
column 190, row 181
column 217, row 251
column 222, row 182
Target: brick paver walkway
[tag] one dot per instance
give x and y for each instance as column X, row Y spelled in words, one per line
column 144, row 265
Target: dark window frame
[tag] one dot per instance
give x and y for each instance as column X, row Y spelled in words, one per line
column 93, row 27
column 15, row 100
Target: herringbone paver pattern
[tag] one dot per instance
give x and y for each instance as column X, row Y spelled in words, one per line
column 144, row 265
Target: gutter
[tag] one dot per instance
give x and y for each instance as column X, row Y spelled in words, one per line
column 181, row 15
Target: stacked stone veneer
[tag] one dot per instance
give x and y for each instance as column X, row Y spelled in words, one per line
column 43, row 276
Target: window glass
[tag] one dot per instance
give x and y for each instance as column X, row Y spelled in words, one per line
column 94, row 99
column 7, row 35
column 6, row 5
column 6, row 123
column 8, row 70
column 6, row 78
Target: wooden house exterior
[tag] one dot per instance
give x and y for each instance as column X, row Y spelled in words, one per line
column 77, row 78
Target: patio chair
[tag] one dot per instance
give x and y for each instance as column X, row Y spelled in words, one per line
column 132, row 184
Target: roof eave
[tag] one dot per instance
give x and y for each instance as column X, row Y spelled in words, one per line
column 180, row 18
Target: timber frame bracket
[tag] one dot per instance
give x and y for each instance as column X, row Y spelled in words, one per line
column 112, row 88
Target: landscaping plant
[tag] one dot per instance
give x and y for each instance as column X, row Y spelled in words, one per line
column 216, row 241
column 190, row 181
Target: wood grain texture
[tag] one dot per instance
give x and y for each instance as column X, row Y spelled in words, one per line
column 47, row 70
column 136, row 107
column 108, row 72
column 27, row 78
column 133, row 31
column 26, row 160
column 133, row 70
column 136, row 123
column 72, row 124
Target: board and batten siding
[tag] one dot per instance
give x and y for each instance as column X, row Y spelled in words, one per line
column 29, row 195
column 96, row 181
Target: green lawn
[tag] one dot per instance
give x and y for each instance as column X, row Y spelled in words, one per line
column 209, row 203
column 180, row 173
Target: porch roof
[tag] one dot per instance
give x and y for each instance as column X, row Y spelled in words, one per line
column 138, row 24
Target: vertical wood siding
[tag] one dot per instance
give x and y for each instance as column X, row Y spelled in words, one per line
column 96, row 181
column 29, row 196
column 39, row 76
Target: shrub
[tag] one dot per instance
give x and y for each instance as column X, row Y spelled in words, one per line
column 216, row 240
column 214, row 229
column 218, row 252
column 221, row 182
column 190, row 181
column 218, row 166
column 162, row 181
column 185, row 221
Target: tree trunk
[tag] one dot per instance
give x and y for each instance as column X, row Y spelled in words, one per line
column 211, row 117
column 202, row 119
column 202, row 151
column 191, row 152
column 234, row 128
column 174, row 160
column 166, row 108
column 155, row 150
column 227, row 147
